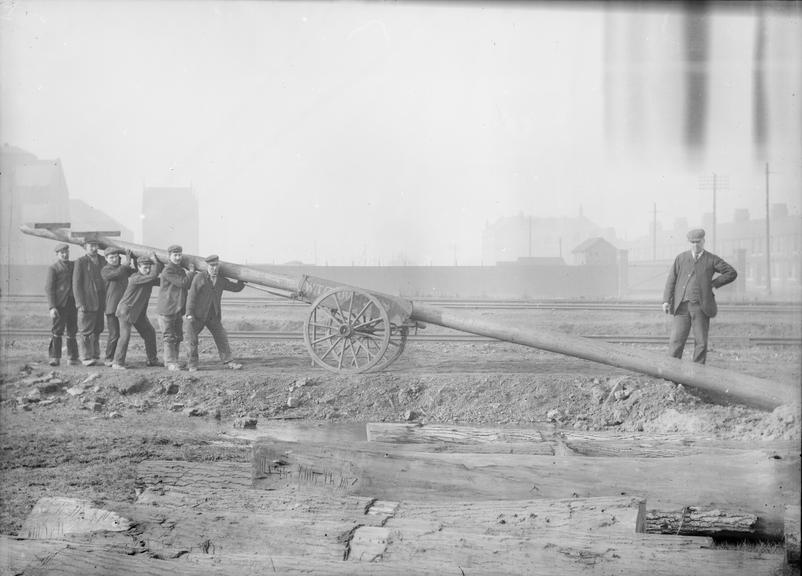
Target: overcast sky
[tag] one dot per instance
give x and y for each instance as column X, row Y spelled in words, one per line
column 359, row 132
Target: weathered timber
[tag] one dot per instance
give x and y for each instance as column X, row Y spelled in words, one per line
column 648, row 445
column 751, row 481
column 693, row 521
column 561, row 517
column 792, row 533
column 282, row 531
column 721, row 384
column 635, row 554
column 545, row 439
column 639, row 554
column 180, row 483
column 54, row 517
column 531, row 448
column 18, row 555
column 405, row 433
column 58, row 558
column 223, row 486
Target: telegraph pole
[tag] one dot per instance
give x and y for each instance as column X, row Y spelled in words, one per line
column 714, row 212
column 768, row 236
column 712, row 183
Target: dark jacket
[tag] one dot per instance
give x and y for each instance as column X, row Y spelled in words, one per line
column 88, row 287
column 58, row 285
column 175, row 282
column 116, row 278
column 134, row 302
column 203, row 300
column 685, row 270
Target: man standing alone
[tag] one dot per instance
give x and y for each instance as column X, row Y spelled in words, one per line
column 90, row 298
column 61, row 302
column 203, row 310
column 688, row 295
column 175, row 282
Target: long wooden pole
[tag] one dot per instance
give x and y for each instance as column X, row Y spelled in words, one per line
column 749, row 390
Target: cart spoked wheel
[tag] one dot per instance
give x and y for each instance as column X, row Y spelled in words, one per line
column 398, row 340
column 347, row 331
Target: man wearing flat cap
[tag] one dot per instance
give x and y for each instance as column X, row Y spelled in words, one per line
column 60, row 301
column 171, row 306
column 688, row 295
column 203, row 311
column 89, row 290
column 115, row 275
column 132, row 311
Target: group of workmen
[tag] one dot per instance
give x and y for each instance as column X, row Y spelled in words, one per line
column 113, row 290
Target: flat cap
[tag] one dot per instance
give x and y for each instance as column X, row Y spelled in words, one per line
column 145, row 260
column 696, row 234
column 113, row 250
column 212, row 259
column 61, row 247
column 91, row 240
column 174, row 248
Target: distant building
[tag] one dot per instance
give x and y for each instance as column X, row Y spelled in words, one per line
column 595, row 252
column 749, row 235
column 742, row 242
column 31, row 190
column 170, row 216
column 511, row 238
column 34, row 190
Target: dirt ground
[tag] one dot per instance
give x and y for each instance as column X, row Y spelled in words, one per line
column 80, row 432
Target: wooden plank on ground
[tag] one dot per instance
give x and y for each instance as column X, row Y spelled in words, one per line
column 18, row 555
column 565, row 442
column 602, row 515
column 640, row 554
column 749, row 481
column 504, row 521
column 581, row 554
column 181, row 483
column 410, row 433
column 695, row 521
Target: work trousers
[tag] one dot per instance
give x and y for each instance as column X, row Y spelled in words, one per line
column 690, row 315
column 172, row 328
column 90, row 326
column 145, row 329
column 113, row 326
column 215, row 326
column 67, row 319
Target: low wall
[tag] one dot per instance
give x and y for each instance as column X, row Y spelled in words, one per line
column 645, row 281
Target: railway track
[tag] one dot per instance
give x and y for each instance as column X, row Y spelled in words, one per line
column 239, row 302
column 461, row 337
